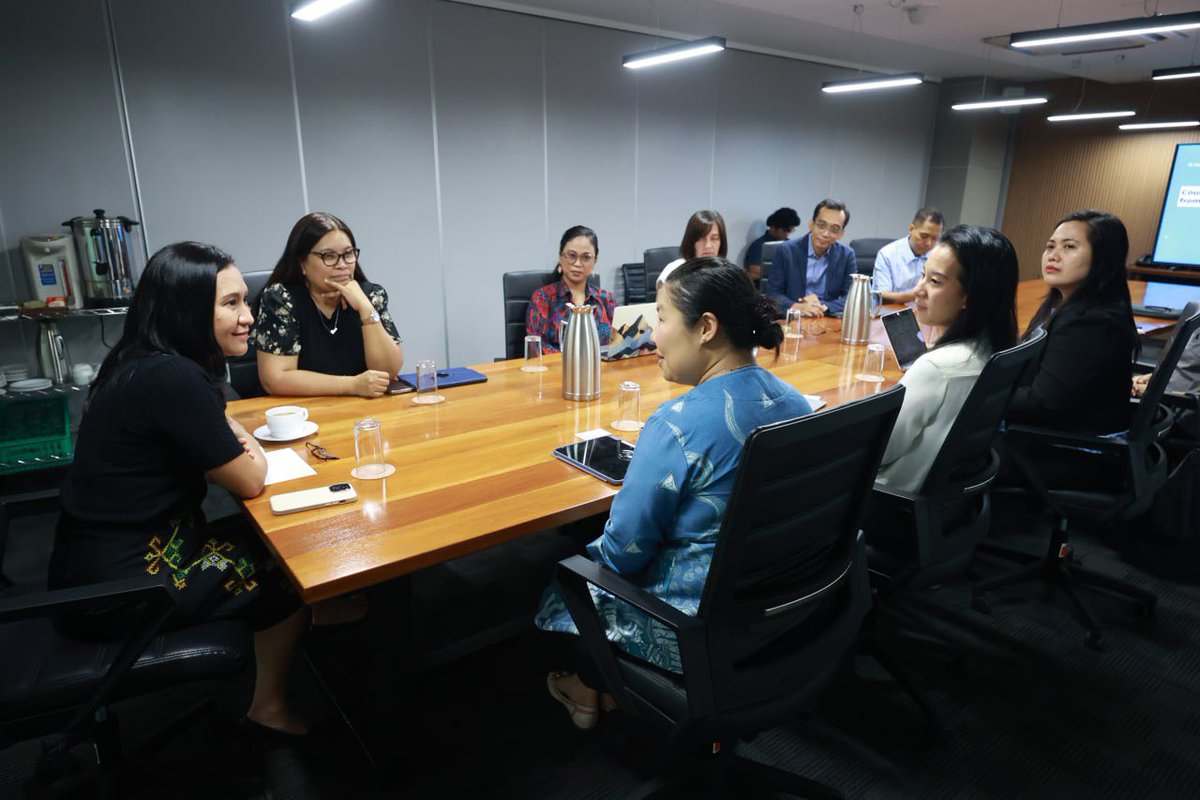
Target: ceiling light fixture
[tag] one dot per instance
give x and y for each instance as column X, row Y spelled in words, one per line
column 315, row 9
column 872, row 83
column 1090, row 115
column 1149, row 126
column 999, row 102
column 1175, row 73
column 676, row 52
column 1138, row 26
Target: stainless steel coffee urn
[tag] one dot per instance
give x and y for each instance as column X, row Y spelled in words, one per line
column 103, row 247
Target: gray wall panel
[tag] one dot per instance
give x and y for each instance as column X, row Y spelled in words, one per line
column 211, row 119
column 591, row 107
column 488, row 85
column 367, row 130
column 751, row 147
column 676, row 125
column 64, row 150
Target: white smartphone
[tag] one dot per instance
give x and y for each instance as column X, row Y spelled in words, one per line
column 305, row 499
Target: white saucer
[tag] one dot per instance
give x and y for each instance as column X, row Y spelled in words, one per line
column 307, row 429
column 31, row 385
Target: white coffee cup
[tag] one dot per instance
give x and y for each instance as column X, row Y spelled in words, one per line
column 285, row 422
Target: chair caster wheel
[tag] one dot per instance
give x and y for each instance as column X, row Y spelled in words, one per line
column 981, row 605
column 1095, row 640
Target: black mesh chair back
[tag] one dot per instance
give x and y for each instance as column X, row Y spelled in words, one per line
column 633, row 279
column 955, row 490
column 786, row 590
column 243, row 370
column 768, row 256
column 1145, row 423
column 518, row 291
column 865, row 251
column 654, row 260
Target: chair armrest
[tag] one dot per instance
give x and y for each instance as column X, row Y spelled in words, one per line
column 572, row 576
column 1053, row 436
column 894, row 494
column 614, row 584
column 43, row 604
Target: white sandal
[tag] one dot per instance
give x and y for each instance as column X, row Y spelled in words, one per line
column 583, row 717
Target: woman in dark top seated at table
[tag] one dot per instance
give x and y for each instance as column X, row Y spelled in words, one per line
column 322, row 328
column 154, row 429
column 1082, row 382
column 577, row 253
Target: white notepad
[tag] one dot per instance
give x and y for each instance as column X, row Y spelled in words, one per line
column 285, row 464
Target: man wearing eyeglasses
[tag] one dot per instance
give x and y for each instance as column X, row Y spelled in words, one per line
column 900, row 264
column 812, row 273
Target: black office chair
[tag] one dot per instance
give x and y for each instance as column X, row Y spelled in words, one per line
column 1137, row 465
column 865, row 251
column 518, row 290
column 768, row 256
column 52, row 683
column 633, row 279
column 243, row 370
column 786, row 594
column 916, row 540
column 655, row 260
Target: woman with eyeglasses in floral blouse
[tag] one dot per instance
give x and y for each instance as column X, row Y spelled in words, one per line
column 577, row 252
column 322, row 328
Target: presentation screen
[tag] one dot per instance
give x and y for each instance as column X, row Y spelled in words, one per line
column 1178, row 240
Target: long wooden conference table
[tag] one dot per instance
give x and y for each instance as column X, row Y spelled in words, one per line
column 477, row 470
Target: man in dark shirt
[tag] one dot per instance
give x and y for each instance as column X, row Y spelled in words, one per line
column 779, row 226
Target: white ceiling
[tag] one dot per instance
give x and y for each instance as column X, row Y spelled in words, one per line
column 948, row 44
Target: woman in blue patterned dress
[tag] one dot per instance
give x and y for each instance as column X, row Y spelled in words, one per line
column 663, row 525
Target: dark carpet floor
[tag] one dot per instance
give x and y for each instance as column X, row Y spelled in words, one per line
column 1034, row 714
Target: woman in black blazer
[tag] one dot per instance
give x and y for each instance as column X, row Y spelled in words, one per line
column 1082, row 382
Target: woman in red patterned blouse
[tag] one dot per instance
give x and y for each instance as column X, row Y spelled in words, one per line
column 577, row 253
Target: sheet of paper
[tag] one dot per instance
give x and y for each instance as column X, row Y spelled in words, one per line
column 592, row 434
column 285, row 464
column 816, row 401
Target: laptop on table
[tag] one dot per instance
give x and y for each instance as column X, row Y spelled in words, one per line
column 1165, row 300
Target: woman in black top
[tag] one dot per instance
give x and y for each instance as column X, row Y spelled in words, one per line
column 154, row 429
column 322, row 328
column 1082, row 382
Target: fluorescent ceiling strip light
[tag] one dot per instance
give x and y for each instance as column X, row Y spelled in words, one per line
column 676, row 52
column 869, row 84
column 315, row 9
column 1149, row 126
column 1138, row 26
column 1003, row 102
column 1175, row 73
column 1091, row 115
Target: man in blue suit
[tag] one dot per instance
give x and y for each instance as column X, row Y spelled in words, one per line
column 812, row 273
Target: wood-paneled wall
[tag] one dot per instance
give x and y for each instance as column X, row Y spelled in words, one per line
column 1060, row 167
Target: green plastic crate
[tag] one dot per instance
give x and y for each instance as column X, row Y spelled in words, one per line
column 35, row 433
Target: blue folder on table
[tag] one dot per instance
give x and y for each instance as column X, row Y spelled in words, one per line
column 452, row 376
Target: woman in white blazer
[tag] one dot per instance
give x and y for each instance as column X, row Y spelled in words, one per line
column 968, row 297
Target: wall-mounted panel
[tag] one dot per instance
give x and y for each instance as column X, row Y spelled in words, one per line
column 491, row 134
column 591, row 108
column 367, row 129
column 64, row 150
column 212, row 123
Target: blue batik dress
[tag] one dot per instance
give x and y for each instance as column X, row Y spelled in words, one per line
column 663, row 525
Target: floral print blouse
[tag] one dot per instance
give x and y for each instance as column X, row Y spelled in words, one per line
column 548, row 307
column 277, row 325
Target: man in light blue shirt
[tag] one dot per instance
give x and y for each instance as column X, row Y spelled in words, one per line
column 899, row 265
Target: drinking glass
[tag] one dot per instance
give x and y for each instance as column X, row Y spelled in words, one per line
column 427, row 389
column 533, row 354
column 872, row 368
column 794, row 325
column 629, row 407
column 368, row 451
